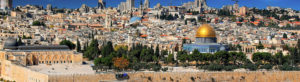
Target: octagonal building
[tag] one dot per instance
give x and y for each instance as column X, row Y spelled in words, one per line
column 206, row 41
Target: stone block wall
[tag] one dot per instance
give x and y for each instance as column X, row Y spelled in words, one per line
column 276, row 76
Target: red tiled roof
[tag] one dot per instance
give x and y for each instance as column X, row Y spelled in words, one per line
column 189, row 13
column 186, row 38
column 144, row 35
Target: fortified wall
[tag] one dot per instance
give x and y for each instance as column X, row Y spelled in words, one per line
column 270, row 76
column 13, row 72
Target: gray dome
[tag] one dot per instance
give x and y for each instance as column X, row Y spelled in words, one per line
column 10, row 43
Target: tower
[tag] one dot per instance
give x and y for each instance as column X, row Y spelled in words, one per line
column 5, row 4
column 83, row 8
column 107, row 21
column 141, row 8
column 130, row 4
column 49, row 7
column 146, row 4
column 101, row 4
column 9, row 2
column 201, row 5
column 236, row 5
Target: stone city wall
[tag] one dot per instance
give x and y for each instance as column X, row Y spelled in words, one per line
column 18, row 73
column 276, row 76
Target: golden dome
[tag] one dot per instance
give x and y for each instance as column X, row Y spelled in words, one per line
column 205, row 31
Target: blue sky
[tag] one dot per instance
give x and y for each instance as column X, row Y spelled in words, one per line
column 295, row 4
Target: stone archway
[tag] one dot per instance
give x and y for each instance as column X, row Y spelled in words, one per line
column 29, row 60
column 35, row 60
column 56, row 59
column 62, row 59
column 48, row 59
column 69, row 59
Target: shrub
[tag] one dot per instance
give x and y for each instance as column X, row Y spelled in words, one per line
column 286, row 67
column 185, row 64
column 250, row 66
column 38, row 23
column 155, row 67
column 193, row 79
column 230, row 67
column 215, row 67
column 164, row 69
column 137, row 66
column 266, row 66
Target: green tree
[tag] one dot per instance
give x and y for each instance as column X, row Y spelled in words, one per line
column 252, row 19
column 194, row 55
column 78, row 46
column 295, row 56
column 176, row 16
column 19, row 42
column 262, row 57
column 182, row 57
column 170, row 58
column 222, row 57
column 284, row 35
column 157, row 50
column 170, row 17
column 280, row 59
column 68, row 43
column 237, row 57
column 260, row 46
column 97, row 61
column 92, row 50
column 24, row 37
column 298, row 44
column 38, row 23
column 107, row 61
column 107, row 49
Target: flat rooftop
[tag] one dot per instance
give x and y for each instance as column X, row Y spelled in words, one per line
column 62, row 69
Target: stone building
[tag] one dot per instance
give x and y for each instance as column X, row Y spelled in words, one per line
column 206, row 41
column 33, row 61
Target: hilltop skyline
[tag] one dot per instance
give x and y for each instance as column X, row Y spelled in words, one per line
column 212, row 3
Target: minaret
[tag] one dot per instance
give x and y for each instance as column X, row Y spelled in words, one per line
column 129, row 43
column 129, row 37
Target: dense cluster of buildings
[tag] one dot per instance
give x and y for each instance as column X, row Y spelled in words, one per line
column 40, row 56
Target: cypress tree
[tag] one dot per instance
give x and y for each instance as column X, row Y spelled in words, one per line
column 78, row 46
